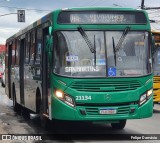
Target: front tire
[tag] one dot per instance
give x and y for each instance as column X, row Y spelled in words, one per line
column 119, row 125
column 44, row 121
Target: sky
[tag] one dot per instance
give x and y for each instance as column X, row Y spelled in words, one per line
column 35, row 9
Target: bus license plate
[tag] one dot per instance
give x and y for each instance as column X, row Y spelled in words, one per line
column 108, row 111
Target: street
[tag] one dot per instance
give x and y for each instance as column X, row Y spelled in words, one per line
column 12, row 123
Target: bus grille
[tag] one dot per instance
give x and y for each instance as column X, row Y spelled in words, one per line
column 103, row 86
column 120, row 110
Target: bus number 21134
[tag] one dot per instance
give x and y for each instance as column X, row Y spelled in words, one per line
column 83, row 97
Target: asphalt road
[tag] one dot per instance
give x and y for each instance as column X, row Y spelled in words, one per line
column 13, row 123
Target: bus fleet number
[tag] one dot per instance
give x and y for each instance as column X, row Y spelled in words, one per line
column 83, row 98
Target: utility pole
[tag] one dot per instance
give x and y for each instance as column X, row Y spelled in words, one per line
column 147, row 8
column 142, row 4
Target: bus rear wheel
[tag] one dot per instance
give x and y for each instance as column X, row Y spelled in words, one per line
column 119, row 125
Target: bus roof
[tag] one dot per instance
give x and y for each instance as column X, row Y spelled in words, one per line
column 96, row 8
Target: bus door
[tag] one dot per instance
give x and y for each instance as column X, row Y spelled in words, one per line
column 45, row 72
column 21, row 70
column 9, row 69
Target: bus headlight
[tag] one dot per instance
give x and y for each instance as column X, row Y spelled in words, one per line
column 145, row 97
column 149, row 93
column 65, row 98
column 59, row 94
column 69, row 100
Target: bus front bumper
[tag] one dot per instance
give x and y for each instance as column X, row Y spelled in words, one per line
column 62, row 111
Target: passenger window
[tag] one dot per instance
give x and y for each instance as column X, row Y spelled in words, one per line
column 32, row 52
column 39, row 45
column 13, row 53
column 17, row 51
column 27, row 49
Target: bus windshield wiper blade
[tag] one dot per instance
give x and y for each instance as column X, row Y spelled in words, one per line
column 122, row 38
column 85, row 37
column 95, row 50
column 114, row 50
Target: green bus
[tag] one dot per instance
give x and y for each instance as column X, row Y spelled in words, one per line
column 83, row 64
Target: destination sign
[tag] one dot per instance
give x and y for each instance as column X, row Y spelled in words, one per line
column 101, row 17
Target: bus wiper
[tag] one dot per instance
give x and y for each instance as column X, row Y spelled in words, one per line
column 114, row 50
column 85, row 37
column 118, row 46
column 95, row 50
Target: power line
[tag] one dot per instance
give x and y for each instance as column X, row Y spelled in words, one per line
column 117, row 5
column 147, row 8
column 7, row 14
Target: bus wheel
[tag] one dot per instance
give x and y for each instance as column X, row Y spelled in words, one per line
column 25, row 113
column 15, row 105
column 44, row 121
column 119, row 125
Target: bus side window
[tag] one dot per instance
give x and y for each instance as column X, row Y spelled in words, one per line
column 17, row 51
column 38, row 45
column 32, row 48
column 27, row 51
column 13, row 53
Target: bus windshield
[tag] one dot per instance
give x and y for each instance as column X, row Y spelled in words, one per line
column 72, row 56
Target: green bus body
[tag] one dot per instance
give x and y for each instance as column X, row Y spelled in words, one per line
column 124, row 101
column 83, row 97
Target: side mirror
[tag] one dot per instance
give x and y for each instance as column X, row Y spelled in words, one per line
column 49, row 43
column 50, row 30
